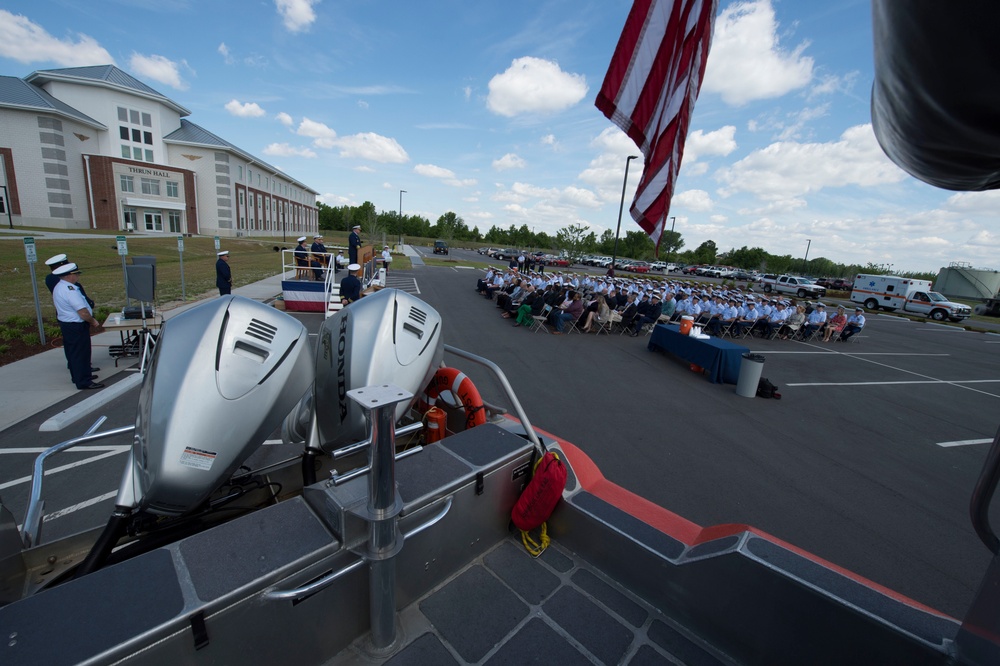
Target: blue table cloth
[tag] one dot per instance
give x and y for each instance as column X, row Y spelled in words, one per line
column 720, row 359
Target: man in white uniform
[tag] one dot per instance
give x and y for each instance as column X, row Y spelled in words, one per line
column 76, row 319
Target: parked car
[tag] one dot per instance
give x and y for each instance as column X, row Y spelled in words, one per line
column 639, row 267
column 440, row 247
column 553, row 260
column 742, row 275
column 505, row 254
column 841, row 284
column 792, row 284
column 690, row 270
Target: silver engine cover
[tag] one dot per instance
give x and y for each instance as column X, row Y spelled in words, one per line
column 221, row 379
column 389, row 337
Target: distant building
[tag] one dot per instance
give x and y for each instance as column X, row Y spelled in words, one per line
column 95, row 148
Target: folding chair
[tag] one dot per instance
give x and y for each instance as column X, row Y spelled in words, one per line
column 603, row 324
column 538, row 320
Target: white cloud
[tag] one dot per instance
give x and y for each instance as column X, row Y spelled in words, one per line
column 533, row 85
column 373, row 147
column 224, row 51
column 789, row 169
column 285, row 150
column 549, row 140
column 24, row 41
column 362, row 104
column 747, row 63
column 284, row 119
column 364, row 168
column 297, row 15
column 246, row 110
column 322, row 136
column 696, row 201
column 447, row 176
column 721, row 142
column 509, row 161
column 158, row 68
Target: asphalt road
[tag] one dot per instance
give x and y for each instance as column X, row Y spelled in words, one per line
column 850, row 464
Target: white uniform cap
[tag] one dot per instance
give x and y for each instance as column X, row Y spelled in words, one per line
column 301, row 238
column 66, row 269
column 354, row 267
column 222, row 254
column 58, row 259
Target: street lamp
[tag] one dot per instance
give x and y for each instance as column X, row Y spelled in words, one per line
column 400, row 229
column 670, row 252
column 614, row 255
column 806, row 260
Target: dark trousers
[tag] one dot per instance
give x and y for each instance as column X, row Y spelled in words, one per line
column 76, row 345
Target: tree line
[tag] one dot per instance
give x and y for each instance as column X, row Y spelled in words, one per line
column 578, row 240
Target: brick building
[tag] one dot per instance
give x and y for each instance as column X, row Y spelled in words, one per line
column 95, row 148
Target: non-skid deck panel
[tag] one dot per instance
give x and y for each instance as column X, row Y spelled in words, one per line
column 238, row 552
column 649, row 536
column 922, row 624
column 510, row 608
column 425, row 473
column 484, row 444
column 124, row 600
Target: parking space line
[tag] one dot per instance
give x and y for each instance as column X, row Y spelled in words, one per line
column 835, row 353
column 912, row 381
column 964, row 442
column 54, row 470
column 909, row 372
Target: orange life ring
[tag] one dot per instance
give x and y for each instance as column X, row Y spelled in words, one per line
column 455, row 381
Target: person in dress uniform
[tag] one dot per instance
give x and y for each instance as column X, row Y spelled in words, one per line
column 386, row 258
column 76, row 319
column 319, row 255
column 350, row 286
column 51, row 280
column 353, row 243
column 223, row 275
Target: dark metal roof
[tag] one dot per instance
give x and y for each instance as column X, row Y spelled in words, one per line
column 190, row 133
column 104, row 75
column 19, row 94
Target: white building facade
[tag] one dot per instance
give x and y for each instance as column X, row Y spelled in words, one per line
column 95, row 148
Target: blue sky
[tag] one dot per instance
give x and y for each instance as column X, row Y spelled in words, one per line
column 487, row 109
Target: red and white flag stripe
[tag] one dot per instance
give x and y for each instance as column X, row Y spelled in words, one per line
column 650, row 90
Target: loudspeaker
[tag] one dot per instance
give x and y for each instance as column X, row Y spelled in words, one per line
column 140, row 283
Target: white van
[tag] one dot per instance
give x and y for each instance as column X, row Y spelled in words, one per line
column 891, row 292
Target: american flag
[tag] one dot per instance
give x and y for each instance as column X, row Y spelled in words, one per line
column 650, row 90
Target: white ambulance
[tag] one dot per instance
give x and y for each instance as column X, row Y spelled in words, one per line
column 891, row 292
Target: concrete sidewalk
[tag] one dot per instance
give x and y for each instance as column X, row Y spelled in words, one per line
column 41, row 381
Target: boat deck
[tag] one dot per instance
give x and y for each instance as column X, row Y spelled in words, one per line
column 510, row 608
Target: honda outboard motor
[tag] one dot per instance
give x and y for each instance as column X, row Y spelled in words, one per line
column 222, row 378
column 389, row 337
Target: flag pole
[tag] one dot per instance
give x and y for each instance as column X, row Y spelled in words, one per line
column 614, row 255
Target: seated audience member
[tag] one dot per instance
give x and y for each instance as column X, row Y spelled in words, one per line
column 815, row 320
column 669, row 305
column 483, row 281
column 601, row 314
column 527, row 291
column 776, row 319
column 835, row 324
column 748, row 319
column 729, row 314
column 496, row 285
column 793, row 323
column 508, row 294
column 651, row 315
column 570, row 310
column 855, row 323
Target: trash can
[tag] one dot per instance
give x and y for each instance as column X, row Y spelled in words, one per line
column 751, row 368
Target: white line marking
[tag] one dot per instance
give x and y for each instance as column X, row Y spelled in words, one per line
column 964, row 442
column 929, row 381
column 834, row 353
column 908, row 372
column 76, row 507
column 937, row 328
column 26, row 479
column 78, row 449
column 84, row 407
column 894, row 318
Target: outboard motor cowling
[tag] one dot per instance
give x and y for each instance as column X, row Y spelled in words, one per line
column 389, row 337
column 221, row 379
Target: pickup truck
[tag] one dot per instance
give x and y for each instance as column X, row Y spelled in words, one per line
column 790, row 284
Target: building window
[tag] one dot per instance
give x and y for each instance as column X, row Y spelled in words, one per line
column 131, row 219
column 150, row 186
column 147, row 138
column 123, row 133
column 174, row 220
column 126, row 152
column 172, row 189
column 123, row 114
column 241, row 172
column 147, row 120
column 133, row 116
column 149, row 155
column 137, row 153
column 128, row 183
column 137, row 136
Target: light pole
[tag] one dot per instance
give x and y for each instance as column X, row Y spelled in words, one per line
column 614, row 255
column 670, row 252
column 400, row 229
column 806, row 260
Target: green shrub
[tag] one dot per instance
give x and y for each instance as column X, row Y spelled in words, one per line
column 9, row 333
column 31, row 339
column 4, row 349
column 52, row 332
column 18, row 321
